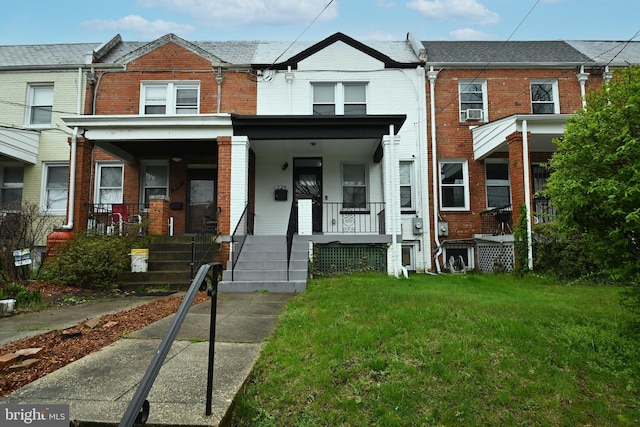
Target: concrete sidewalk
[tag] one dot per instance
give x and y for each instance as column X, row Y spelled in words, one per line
column 100, row 386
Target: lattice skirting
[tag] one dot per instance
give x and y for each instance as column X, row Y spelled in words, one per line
column 494, row 257
column 336, row 258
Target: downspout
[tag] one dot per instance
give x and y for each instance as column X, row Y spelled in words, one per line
column 219, row 80
column 422, row 185
column 527, row 192
column 289, row 78
column 72, row 160
column 433, row 75
column 582, row 78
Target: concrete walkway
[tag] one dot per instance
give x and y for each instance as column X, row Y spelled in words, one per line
column 100, row 386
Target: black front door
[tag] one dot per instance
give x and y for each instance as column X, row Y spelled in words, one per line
column 307, row 182
column 201, row 208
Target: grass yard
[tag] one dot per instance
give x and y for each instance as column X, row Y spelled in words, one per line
column 370, row 350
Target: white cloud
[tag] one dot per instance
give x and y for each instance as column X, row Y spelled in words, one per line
column 470, row 34
column 231, row 13
column 145, row 29
column 455, row 10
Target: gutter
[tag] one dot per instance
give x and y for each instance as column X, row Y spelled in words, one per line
column 72, row 161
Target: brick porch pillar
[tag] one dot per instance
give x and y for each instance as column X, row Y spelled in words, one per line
column 224, row 195
column 158, row 216
column 82, row 193
column 516, row 173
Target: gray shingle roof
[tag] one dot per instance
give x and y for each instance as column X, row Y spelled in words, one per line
column 615, row 53
column 499, row 52
column 45, row 55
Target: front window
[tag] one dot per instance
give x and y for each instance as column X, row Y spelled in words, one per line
column 354, row 186
column 473, row 97
column 408, row 257
column 454, row 185
column 155, row 181
column 406, row 186
column 339, row 99
column 169, row 98
column 498, row 184
column 55, row 188
column 544, row 97
column 11, row 184
column 109, row 178
column 40, row 105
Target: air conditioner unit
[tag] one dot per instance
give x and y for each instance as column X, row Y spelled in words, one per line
column 474, row 114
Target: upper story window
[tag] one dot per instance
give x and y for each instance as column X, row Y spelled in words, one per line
column 339, row 99
column 498, row 184
column 454, row 185
column 406, row 186
column 170, row 97
column 11, row 184
column 55, row 185
column 473, row 101
column 39, row 105
column 544, row 97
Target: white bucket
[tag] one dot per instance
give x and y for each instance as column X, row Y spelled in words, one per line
column 7, row 306
column 139, row 260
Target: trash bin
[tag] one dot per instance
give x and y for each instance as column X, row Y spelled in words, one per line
column 139, row 260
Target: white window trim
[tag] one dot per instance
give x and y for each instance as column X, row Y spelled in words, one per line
column 412, row 255
column 30, row 103
column 96, row 191
column 554, row 91
column 412, row 185
column 43, row 193
column 496, row 182
column 485, row 103
column 366, row 185
column 143, row 168
column 171, row 94
column 470, row 256
column 465, row 177
column 339, row 98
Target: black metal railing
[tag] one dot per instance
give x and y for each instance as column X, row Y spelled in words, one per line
column 203, row 246
column 242, row 230
column 353, row 218
column 292, row 228
column 118, row 218
column 139, row 408
column 497, row 221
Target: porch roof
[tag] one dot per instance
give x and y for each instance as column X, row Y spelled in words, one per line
column 491, row 137
column 19, row 144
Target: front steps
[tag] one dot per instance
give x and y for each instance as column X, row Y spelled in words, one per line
column 262, row 266
column 169, row 266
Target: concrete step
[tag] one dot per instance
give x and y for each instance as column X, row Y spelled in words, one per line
column 174, row 280
column 275, row 286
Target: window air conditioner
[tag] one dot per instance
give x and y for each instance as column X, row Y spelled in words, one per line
column 474, row 114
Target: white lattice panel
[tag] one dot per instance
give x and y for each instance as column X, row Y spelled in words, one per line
column 493, row 255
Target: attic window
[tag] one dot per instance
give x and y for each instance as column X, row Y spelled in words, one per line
column 170, row 97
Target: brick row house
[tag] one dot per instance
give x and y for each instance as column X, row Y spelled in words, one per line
column 402, row 155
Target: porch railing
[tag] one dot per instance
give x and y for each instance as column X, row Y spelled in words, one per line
column 203, row 246
column 543, row 211
column 497, row 221
column 292, row 228
column 242, row 230
column 353, row 218
column 118, row 218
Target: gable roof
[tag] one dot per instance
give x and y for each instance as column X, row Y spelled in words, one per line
column 401, row 51
column 501, row 53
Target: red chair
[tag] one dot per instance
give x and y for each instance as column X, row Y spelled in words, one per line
column 120, row 216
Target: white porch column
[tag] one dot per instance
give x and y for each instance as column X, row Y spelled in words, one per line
column 239, row 177
column 527, row 190
column 391, row 175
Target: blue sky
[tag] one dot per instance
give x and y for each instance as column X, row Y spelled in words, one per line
column 65, row 21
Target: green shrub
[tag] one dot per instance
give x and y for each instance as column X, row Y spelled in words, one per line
column 24, row 297
column 91, row 261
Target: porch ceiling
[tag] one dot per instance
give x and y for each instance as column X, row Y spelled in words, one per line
column 491, row 137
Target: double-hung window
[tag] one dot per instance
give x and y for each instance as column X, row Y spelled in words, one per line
column 339, row 99
column 354, row 186
column 170, row 97
column 11, row 184
column 544, row 97
column 55, row 185
column 39, row 105
column 406, row 186
column 473, row 100
column 498, row 184
column 454, row 185
column 155, row 181
column 109, row 179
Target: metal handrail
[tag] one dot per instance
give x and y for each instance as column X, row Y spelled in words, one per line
column 243, row 228
column 138, row 409
column 291, row 230
column 202, row 246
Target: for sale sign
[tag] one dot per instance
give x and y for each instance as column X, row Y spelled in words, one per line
column 22, row 257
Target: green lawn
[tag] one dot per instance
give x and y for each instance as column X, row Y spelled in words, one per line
column 370, row 350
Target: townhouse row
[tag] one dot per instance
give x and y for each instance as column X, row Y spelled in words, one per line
column 426, row 149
